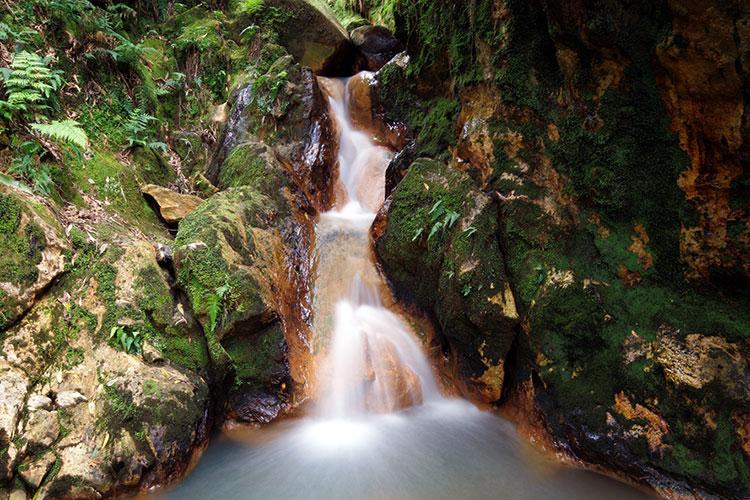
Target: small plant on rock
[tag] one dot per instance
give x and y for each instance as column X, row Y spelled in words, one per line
column 128, row 340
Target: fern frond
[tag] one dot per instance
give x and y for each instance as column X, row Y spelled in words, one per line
column 65, row 131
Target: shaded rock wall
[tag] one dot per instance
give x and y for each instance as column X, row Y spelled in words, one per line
column 612, row 139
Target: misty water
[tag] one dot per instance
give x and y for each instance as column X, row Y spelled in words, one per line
column 379, row 426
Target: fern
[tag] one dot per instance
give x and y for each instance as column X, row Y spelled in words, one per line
column 214, row 306
column 29, row 84
column 27, row 165
column 137, row 126
column 66, row 131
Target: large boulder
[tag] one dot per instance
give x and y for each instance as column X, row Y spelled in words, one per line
column 294, row 126
column 32, row 251
column 437, row 240
column 231, row 262
column 107, row 388
column 375, row 45
column 322, row 45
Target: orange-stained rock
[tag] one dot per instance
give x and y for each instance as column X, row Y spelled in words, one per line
column 173, row 206
column 702, row 86
column 394, row 385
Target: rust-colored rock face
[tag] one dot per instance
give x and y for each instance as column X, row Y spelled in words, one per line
column 704, row 85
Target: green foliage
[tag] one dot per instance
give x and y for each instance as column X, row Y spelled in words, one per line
column 66, row 131
column 215, row 305
column 127, row 339
column 441, row 219
column 27, row 164
column 138, row 129
column 29, row 85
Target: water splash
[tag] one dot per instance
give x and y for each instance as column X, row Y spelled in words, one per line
column 381, row 428
column 374, row 363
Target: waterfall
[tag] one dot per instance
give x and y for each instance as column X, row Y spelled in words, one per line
column 379, row 427
column 374, row 363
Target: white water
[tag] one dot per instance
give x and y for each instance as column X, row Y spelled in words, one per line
column 380, row 427
column 374, row 363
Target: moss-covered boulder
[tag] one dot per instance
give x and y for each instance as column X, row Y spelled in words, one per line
column 32, row 251
column 438, row 243
column 107, row 364
column 278, row 103
column 231, row 262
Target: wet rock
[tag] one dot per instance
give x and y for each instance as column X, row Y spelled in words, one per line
column 34, row 471
column 32, row 251
column 437, row 242
column 376, row 46
column 296, row 131
column 390, row 385
column 698, row 360
column 323, row 45
column 173, row 207
column 258, row 409
column 164, row 255
column 703, row 72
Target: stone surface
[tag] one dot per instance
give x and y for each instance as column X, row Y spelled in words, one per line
column 436, row 227
column 323, row 45
column 41, row 428
column 32, row 248
column 173, row 207
column 66, row 399
column 38, row 402
column 34, row 471
column 376, row 46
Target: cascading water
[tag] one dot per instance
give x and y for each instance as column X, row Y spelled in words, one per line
column 374, row 364
column 380, row 427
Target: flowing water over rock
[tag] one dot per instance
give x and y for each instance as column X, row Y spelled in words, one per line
column 380, row 427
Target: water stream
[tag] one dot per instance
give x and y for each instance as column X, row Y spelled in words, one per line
column 380, row 427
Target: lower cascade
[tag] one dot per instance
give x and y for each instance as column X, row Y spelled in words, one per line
column 380, row 427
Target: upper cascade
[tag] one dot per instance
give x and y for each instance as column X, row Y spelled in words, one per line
column 374, row 363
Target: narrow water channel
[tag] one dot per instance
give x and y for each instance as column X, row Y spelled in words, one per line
column 379, row 427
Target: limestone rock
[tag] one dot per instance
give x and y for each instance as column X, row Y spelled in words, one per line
column 173, row 207
column 38, row 402
column 34, row 471
column 13, row 387
column 41, row 428
column 32, row 248
column 66, row 399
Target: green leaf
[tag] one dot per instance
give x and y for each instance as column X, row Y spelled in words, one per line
column 435, row 228
column 69, row 131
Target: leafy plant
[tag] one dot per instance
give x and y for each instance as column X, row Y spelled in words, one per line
column 66, row 131
column 215, row 305
column 27, row 165
column 129, row 340
column 29, row 86
column 138, row 128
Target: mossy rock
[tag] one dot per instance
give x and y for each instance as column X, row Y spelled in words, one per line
column 254, row 164
column 439, row 249
column 32, row 251
column 323, row 45
column 226, row 254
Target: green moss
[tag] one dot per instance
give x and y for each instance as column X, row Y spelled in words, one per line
column 118, row 185
column 21, row 246
column 258, row 360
